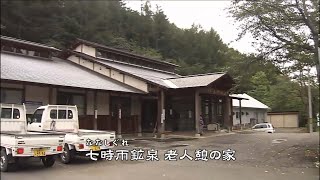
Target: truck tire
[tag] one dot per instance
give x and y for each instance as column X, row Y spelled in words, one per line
column 48, row 161
column 67, row 155
column 4, row 161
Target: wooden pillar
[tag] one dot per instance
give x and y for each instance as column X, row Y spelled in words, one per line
column 50, row 95
column 161, row 114
column 227, row 112
column 139, row 117
column 95, row 107
column 119, row 121
column 240, row 114
column 197, row 111
column 231, row 112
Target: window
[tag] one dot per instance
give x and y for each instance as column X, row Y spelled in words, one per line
column 36, row 53
column 61, row 114
column 123, row 103
column 219, row 109
column 237, row 115
column 18, row 51
column 257, row 127
column 247, row 113
column 11, row 96
column 65, row 98
column 99, row 54
column 31, row 53
column 8, row 48
column 6, row 113
column 37, row 116
column 44, row 54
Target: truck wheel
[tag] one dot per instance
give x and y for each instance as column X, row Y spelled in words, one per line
column 66, row 155
column 48, row 161
column 4, row 161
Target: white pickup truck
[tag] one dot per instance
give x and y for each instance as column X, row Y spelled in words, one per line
column 64, row 119
column 17, row 143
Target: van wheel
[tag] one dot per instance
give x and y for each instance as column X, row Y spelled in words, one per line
column 48, row 161
column 66, row 155
column 4, row 161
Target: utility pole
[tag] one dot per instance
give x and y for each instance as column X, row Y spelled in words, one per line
column 141, row 8
column 240, row 114
column 310, row 109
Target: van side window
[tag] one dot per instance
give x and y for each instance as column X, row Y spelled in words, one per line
column 6, row 113
column 61, row 114
column 53, row 114
column 16, row 114
column 70, row 114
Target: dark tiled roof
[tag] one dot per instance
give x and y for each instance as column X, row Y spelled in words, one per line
column 56, row 72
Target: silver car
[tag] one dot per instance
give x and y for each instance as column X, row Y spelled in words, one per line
column 263, row 127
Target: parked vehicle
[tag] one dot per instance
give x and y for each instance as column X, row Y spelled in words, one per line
column 17, row 143
column 264, row 127
column 64, row 119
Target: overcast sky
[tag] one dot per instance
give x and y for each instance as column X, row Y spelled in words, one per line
column 209, row 14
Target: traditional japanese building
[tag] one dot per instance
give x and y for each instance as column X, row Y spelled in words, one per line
column 113, row 89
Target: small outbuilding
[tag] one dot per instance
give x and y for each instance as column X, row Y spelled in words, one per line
column 248, row 111
column 284, row 119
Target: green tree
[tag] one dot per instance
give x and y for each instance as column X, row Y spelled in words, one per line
column 285, row 31
column 261, row 87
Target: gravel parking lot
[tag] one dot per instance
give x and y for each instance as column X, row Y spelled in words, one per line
column 258, row 156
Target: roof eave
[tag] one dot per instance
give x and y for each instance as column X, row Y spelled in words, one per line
column 97, row 45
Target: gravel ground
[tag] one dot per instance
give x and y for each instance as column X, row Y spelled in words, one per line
column 258, row 156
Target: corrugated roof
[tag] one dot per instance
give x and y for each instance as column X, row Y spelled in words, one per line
column 200, row 80
column 27, row 42
column 154, row 76
column 56, row 72
column 250, row 103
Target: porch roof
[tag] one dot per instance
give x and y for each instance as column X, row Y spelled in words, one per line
column 199, row 80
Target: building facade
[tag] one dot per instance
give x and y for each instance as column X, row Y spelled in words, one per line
column 252, row 111
column 113, row 89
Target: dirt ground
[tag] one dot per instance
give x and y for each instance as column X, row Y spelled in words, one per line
column 282, row 155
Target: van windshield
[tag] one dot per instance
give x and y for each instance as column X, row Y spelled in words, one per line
column 37, row 116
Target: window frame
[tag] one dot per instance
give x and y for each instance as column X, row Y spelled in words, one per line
column 22, row 92
column 60, row 110
column 12, row 113
column 72, row 94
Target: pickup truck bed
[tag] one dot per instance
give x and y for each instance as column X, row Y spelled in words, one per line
column 31, row 141
column 30, row 133
column 81, row 132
